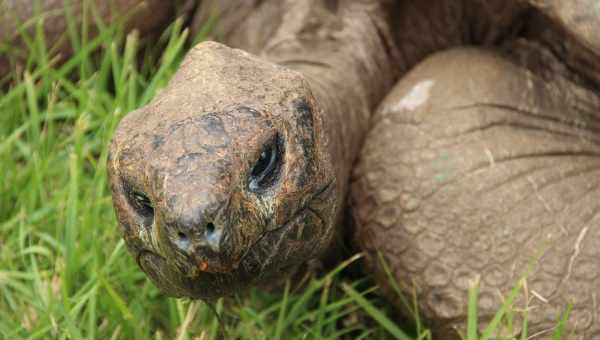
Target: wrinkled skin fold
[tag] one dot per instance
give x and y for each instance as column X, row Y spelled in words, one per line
column 462, row 163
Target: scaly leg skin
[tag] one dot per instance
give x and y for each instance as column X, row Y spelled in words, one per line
column 477, row 168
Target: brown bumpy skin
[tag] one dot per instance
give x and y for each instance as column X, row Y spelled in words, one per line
column 214, row 228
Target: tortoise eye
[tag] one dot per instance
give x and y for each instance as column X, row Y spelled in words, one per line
column 142, row 204
column 264, row 169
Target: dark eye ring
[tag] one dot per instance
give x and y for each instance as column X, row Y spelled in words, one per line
column 142, row 204
column 263, row 171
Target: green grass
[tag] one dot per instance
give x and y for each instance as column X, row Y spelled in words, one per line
column 64, row 271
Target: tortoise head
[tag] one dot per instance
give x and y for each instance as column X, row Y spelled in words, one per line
column 225, row 179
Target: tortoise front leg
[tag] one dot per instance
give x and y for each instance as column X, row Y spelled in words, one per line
column 477, row 168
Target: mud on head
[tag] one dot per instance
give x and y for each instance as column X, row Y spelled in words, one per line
column 224, row 179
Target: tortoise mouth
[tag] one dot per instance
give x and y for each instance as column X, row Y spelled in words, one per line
column 195, row 270
column 275, row 249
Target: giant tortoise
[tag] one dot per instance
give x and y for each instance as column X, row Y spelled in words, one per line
column 459, row 135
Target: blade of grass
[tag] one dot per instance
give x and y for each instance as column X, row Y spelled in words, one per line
column 472, row 310
column 495, row 323
column 559, row 332
column 281, row 320
column 375, row 313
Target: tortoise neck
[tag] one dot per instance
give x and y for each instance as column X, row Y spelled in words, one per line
column 348, row 60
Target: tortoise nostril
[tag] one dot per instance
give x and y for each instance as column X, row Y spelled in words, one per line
column 190, row 240
column 210, row 228
column 183, row 241
column 212, row 236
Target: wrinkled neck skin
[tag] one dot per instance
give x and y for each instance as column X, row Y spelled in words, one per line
column 347, row 58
